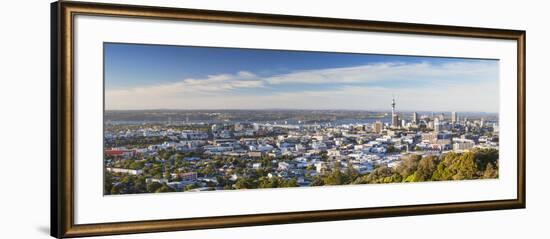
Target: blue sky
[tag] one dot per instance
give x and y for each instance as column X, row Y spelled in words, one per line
column 177, row 77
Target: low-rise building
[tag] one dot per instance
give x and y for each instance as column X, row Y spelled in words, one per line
column 125, row 171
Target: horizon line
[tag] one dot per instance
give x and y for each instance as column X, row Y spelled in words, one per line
column 291, row 109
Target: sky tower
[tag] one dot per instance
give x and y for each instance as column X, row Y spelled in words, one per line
column 394, row 117
column 392, row 106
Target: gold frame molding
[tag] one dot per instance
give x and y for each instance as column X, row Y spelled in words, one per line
column 62, row 118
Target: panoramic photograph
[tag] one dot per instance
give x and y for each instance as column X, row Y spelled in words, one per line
column 191, row 119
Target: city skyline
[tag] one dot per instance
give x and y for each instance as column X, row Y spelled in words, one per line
column 298, row 109
column 148, row 77
column 195, row 151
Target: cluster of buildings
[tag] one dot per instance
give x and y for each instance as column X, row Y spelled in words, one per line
column 297, row 151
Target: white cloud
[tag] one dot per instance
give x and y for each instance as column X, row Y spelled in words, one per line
column 391, row 71
column 465, row 86
column 211, row 84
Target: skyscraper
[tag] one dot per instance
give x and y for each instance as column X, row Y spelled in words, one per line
column 378, row 127
column 436, row 125
column 394, row 117
column 454, row 117
column 415, row 118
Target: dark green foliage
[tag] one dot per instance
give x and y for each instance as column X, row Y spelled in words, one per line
column 392, row 149
column 408, row 165
column 116, row 183
column 244, row 183
column 351, row 174
column 335, row 177
column 289, row 183
column 486, row 157
column 476, row 164
column 425, row 169
column 383, row 175
column 268, row 183
column 491, row 171
column 153, row 187
column 191, row 186
column 455, row 166
column 107, row 183
column 164, row 188
column 317, row 181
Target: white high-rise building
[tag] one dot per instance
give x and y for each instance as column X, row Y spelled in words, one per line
column 377, row 127
column 454, row 118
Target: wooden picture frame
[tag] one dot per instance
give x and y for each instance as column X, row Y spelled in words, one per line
column 62, row 118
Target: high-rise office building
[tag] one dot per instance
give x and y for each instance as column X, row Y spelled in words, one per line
column 436, row 125
column 454, row 117
column 378, row 127
column 415, row 118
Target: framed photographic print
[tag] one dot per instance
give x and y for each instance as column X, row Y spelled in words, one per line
column 170, row 119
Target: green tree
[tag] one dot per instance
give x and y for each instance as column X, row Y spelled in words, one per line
column 139, row 185
column 351, row 174
column 361, row 179
column 267, row 183
column 317, row 181
column 208, row 170
column 408, row 165
column 153, row 187
column 107, row 183
column 455, row 166
column 191, row 186
column 335, row 177
column 484, row 157
column 490, row 171
column 167, row 174
column 117, row 189
column 136, row 165
column 425, row 169
column 383, row 174
column 465, row 167
column 244, row 183
column 164, row 188
column 289, row 183
column 392, row 149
